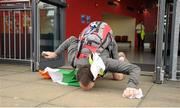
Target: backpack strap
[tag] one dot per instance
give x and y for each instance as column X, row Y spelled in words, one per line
column 105, row 40
column 80, row 44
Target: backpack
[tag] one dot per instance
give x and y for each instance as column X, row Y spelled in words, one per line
column 95, row 37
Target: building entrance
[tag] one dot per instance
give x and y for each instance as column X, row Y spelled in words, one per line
column 29, row 27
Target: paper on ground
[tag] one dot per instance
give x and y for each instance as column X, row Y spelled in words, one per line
column 138, row 94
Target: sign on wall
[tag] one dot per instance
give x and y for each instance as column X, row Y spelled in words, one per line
column 85, row 19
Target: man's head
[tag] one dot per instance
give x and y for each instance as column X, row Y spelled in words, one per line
column 85, row 77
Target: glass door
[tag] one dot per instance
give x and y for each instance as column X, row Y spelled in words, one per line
column 50, row 33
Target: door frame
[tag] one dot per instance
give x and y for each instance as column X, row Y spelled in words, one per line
column 159, row 67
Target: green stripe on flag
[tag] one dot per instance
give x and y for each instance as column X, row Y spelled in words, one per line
column 69, row 77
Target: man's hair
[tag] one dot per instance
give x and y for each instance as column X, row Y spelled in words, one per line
column 84, row 75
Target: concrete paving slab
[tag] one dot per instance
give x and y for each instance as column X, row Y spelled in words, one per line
column 36, row 92
column 106, row 93
column 161, row 96
column 14, row 68
column 26, row 76
column 9, row 70
column 7, row 83
column 98, row 97
column 48, row 105
column 146, row 79
column 4, row 73
column 105, row 84
column 175, row 84
column 16, row 102
column 21, row 87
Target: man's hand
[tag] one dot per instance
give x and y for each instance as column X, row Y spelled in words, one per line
column 129, row 92
column 49, row 55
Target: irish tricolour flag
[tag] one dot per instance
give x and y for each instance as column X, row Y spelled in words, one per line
column 63, row 76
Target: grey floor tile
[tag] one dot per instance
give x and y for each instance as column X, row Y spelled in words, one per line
column 27, row 76
column 106, row 93
column 98, row 97
column 47, row 105
column 145, row 79
column 16, row 102
column 14, row 68
column 175, row 84
column 4, row 73
column 7, row 83
column 21, row 87
column 11, row 70
column 160, row 96
column 145, row 57
column 36, row 92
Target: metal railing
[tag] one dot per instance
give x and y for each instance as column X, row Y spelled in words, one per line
column 15, row 33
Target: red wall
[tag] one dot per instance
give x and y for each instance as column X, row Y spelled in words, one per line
column 75, row 9
column 94, row 9
column 150, row 19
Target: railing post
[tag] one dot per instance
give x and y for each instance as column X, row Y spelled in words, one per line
column 174, row 40
column 159, row 71
column 34, row 36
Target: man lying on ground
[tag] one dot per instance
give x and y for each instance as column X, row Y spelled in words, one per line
column 91, row 60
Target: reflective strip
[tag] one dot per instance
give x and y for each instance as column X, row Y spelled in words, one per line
column 90, row 60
